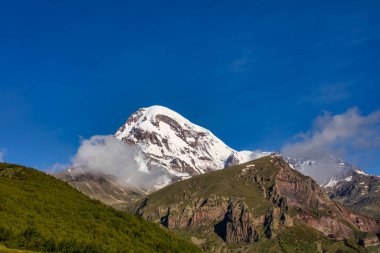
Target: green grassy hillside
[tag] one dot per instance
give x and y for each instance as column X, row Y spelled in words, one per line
column 41, row 213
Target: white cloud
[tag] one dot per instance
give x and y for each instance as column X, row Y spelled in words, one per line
column 340, row 132
column 345, row 135
column 107, row 155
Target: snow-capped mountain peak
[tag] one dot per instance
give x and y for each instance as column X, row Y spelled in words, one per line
column 169, row 140
column 149, row 117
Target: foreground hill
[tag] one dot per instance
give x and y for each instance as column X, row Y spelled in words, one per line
column 41, row 213
column 263, row 206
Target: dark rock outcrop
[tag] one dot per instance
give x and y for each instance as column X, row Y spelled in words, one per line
column 232, row 160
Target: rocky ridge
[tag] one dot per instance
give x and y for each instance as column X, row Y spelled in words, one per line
column 250, row 203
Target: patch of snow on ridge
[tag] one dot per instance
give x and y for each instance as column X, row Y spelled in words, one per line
column 71, row 175
column 331, row 183
column 361, row 172
column 348, row 179
column 89, row 186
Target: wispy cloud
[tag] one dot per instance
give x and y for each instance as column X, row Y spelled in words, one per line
column 340, row 135
column 243, row 63
column 328, row 94
column 335, row 132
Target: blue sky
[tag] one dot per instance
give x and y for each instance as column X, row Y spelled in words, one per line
column 256, row 73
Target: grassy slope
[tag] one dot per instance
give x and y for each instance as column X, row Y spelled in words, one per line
column 39, row 212
column 219, row 183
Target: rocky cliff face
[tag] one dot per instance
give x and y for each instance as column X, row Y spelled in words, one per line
column 250, row 203
column 315, row 208
column 234, row 225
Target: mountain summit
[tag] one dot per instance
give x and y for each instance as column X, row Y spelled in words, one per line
column 183, row 148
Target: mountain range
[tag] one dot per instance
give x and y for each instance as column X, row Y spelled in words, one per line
column 226, row 200
column 181, row 149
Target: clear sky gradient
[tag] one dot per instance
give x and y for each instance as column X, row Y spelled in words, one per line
column 256, row 73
